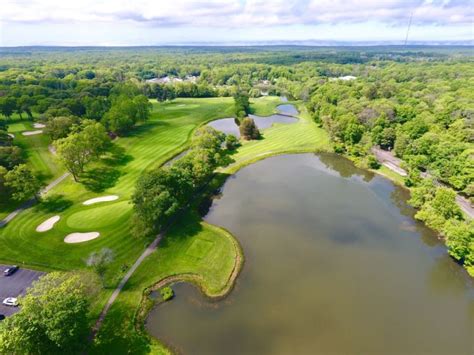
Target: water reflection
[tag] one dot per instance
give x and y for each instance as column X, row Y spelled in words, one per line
column 328, row 270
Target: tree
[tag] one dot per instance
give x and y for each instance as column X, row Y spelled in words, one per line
column 53, row 318
column 5, row 139
column 143, row 108
column 7, row 106
column 231, row 142
column 59, row 127
column 162, row 192
column 242, row 104
column 10, row 156
column 153, row 201
column 444, row 203
column 100, row 260
column 387, row 138
column 85, row 144
column 248, row 129
column 459, row 236
column 126, row 112
column 4, row 194
column 23, row 183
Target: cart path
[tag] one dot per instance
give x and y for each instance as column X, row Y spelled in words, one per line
column 32, row 201
column 150, row 249
column 393, row 163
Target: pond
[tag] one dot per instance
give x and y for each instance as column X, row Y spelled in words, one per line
column 228, row 125
column 287, row 110
column 335, row 264
column 267, row 121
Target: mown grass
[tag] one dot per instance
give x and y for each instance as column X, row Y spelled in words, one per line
column 194, row 247
column 149, row 145
column 299, row 137
column 37, row 156
column 191, row 247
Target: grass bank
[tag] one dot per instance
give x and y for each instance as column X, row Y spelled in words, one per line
column 195, row 251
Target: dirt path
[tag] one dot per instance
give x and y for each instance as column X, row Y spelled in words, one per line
column 393, row 163
column 31, row 202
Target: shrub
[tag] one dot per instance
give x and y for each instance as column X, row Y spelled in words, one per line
column 249, row 130
column 231, row 142
column 166, row 293
column 372, row 162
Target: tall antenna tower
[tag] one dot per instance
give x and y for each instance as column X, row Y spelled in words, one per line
column 409, row 26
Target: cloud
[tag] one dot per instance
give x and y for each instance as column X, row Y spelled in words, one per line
column 239, row 13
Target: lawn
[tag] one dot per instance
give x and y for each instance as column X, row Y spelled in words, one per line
column 201, row 251
column 194, row 247
column 206, row 254
column 152, row 143
column 303, row 136
column 37, row 156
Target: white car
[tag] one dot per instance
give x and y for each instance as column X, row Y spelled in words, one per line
column 10, row 301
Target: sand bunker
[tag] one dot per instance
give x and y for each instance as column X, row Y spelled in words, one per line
column 101, row 199
column 48, row 224
column 11, row 135
column 80, row 237
column 32, row 133
column 38, row 125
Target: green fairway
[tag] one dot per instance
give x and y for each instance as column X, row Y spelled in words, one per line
column 152, row 143
column 37, row 157
column 303, row 136
column 205, row 254
column 196, row 248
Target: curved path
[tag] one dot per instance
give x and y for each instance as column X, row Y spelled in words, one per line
column 124, row 280
column 393, row 163
column 32, row 201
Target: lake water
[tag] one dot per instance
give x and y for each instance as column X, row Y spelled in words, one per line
column 335, row 264
column 287, row 109
column 228, row 125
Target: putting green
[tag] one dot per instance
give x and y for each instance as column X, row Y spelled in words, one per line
column 17, row 127
column 97, row 217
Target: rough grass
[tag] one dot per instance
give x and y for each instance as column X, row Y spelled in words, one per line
column 390, row 174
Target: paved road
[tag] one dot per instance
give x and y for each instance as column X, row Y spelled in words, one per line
column 31, row 202
column 393, row 163
column 15, row 285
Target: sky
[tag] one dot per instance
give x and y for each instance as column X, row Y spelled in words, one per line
column 163, row 22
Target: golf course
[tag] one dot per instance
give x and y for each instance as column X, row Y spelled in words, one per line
column 202, row 253
column 236, row 200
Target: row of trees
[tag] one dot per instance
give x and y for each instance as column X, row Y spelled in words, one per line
column 161, row 193
column 424, row 114
column 17, row 181
column 439, row 210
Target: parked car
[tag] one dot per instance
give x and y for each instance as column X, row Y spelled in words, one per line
column 11, row 301
column 10, row 271
column 2, row 317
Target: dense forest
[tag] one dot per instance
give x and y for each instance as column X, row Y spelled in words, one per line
column 416, row 103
